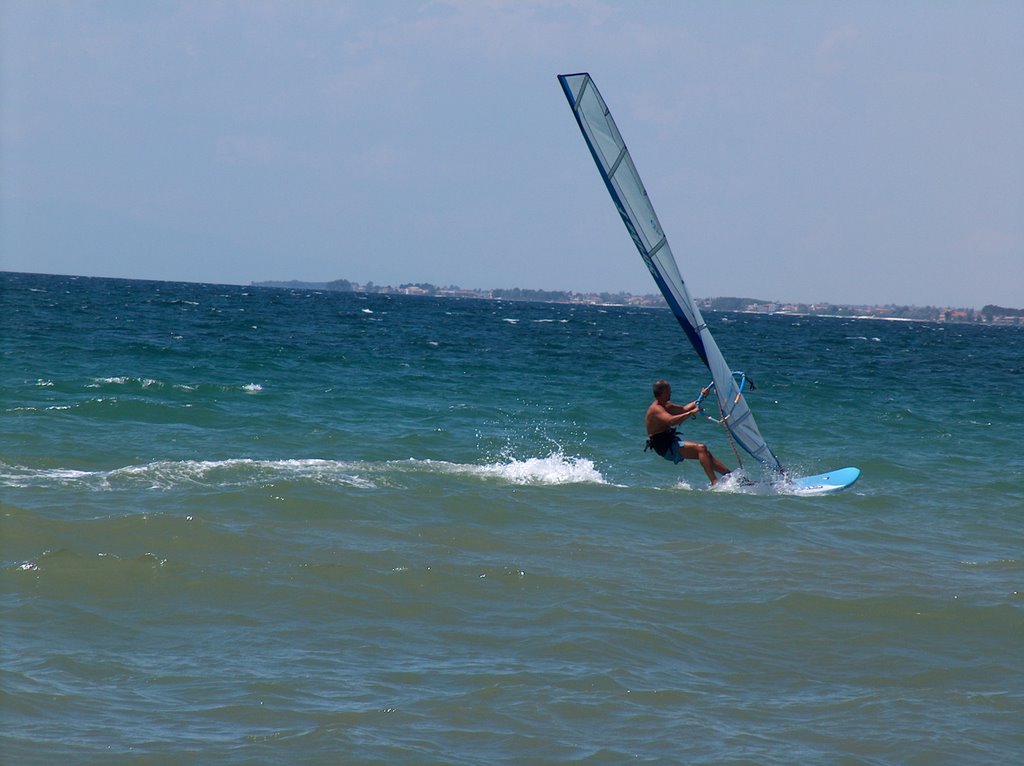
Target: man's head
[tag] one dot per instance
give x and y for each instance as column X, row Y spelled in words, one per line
column 661, row 389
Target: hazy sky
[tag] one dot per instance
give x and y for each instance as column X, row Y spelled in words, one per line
column 801, row 151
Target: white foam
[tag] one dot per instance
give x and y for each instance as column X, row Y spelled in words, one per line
column 122, row 380
column 171, row 474
column 553, row 469
column 19, row 476
column 739, row 483
column 239, row 472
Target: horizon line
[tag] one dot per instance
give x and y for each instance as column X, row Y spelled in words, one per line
column 315, row 284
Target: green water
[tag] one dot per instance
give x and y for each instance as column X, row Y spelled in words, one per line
column 247, row 525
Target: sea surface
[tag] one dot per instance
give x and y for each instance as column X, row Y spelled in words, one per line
column 269, row 526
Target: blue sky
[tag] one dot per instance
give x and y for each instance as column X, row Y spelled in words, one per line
column 855, row 152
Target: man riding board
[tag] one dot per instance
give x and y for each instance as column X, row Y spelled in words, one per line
column 662, row 418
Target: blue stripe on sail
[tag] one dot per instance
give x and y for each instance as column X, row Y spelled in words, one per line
column 689, row 329
column 680, row 314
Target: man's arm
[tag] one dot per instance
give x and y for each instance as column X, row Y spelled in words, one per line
column 687, row 409
column 670, row 414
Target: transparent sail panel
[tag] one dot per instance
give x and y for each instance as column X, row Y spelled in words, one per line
column 637, row 212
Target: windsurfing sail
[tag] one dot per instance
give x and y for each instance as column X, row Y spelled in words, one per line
column 631, row 200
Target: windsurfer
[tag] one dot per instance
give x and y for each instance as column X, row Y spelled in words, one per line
column 662, row 417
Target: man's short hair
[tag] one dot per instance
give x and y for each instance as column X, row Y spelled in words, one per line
column 659, row 387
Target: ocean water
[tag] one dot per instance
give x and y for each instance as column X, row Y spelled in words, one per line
column 249, row 525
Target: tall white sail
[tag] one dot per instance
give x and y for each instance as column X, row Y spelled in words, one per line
column 630, row 197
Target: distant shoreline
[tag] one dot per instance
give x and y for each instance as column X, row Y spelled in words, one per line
column 991, row 314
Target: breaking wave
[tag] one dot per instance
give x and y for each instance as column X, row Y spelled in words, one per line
column 554, row 469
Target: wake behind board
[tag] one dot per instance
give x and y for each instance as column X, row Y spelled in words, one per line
column 824, row 483
column 802, row 486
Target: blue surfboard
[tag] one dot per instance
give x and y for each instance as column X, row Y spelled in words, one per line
column 824, row 483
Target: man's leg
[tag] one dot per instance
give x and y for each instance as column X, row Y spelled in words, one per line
column 699, row 451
